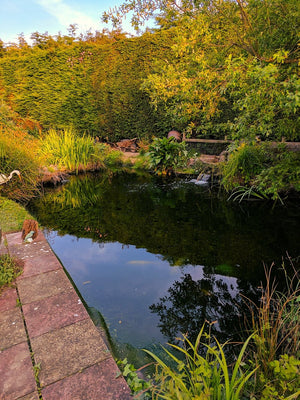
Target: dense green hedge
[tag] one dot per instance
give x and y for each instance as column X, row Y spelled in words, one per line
column 92, row 85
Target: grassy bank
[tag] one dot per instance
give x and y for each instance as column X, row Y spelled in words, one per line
column 12, row 215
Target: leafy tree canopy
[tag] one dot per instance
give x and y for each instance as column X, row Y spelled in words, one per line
column 233, row 66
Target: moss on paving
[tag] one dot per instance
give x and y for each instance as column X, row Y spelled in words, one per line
column 12, row 215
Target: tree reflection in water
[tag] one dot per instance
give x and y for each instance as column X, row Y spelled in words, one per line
column 184, row 225
column 189, row 304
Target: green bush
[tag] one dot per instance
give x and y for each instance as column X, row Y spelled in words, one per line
column 165, row 155
column 138, row 386
column 285, row 382
column 261, row 169
column 113, row 158
column 245, row 162
column 281, row 177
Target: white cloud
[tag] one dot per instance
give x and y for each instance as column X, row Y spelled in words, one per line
column 67, row 15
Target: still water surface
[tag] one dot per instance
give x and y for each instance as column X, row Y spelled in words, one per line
column 158, row 257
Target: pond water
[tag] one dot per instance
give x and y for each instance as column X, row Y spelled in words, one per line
column 153, row 258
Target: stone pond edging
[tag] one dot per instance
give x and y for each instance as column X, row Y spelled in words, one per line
column 49, row 347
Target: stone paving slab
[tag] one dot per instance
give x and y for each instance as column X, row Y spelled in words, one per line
column 8, row 299
column 28, row 251
column 98, row 382
column 53, row 312
column 44, row 285
column 38, row 265
column 68, row 350
column 16, row 238
column 16, row 373
column 12, row 329
column 74, row 361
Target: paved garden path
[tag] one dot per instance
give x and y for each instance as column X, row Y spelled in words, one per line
column 49, row 347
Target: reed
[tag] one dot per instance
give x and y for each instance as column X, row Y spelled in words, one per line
column 19, row 151
column 276, row 320
column 200, row 377
column 67, row 149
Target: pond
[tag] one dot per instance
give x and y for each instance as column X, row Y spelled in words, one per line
column 153, row 258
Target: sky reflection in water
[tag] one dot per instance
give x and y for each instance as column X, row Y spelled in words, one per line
column 158, row 258
column 122, row 281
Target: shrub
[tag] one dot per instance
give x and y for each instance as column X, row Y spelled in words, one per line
column 138, row 386
column 113, row 158
column 244, row 163
column 166, row 154
column 285, row 382
column 281, row 177
column 261, row 169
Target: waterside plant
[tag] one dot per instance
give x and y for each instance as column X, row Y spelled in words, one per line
column 10, row 269
column 166, row 154
column 267, row 366
column 275, row 321
column 201, row 377
column 260, row 170
column 18, row 151
column 67, row 149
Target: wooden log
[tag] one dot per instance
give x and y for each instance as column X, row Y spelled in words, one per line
column 29, row 226
column 207, row 141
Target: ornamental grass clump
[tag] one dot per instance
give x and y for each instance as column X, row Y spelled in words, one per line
column 261, row 170
column 67, row 149
column 276, row 350
column 194, row 376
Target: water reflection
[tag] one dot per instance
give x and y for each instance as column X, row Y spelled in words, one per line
column 189, row 303
column 158, row 257
column 182, row 222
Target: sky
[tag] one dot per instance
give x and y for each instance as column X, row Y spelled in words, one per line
column 52, row 16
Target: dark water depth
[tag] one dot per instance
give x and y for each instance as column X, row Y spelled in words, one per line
column 158, row 258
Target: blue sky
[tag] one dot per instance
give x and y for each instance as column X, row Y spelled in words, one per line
column 52, row 16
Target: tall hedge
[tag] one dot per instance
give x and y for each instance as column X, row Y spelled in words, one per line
column 91, row 85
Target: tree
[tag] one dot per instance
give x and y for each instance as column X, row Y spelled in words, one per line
column 230, row 60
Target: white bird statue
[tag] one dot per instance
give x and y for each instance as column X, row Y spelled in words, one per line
column 5, row 179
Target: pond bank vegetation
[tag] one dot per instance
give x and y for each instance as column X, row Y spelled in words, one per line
column 10, row 269
column 210, row 70
column 263, row 366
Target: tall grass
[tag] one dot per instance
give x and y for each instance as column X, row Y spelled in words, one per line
column 201, row 377
column 261, row 170
column 67, row 149
column 276, row 320
column 19, row 151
